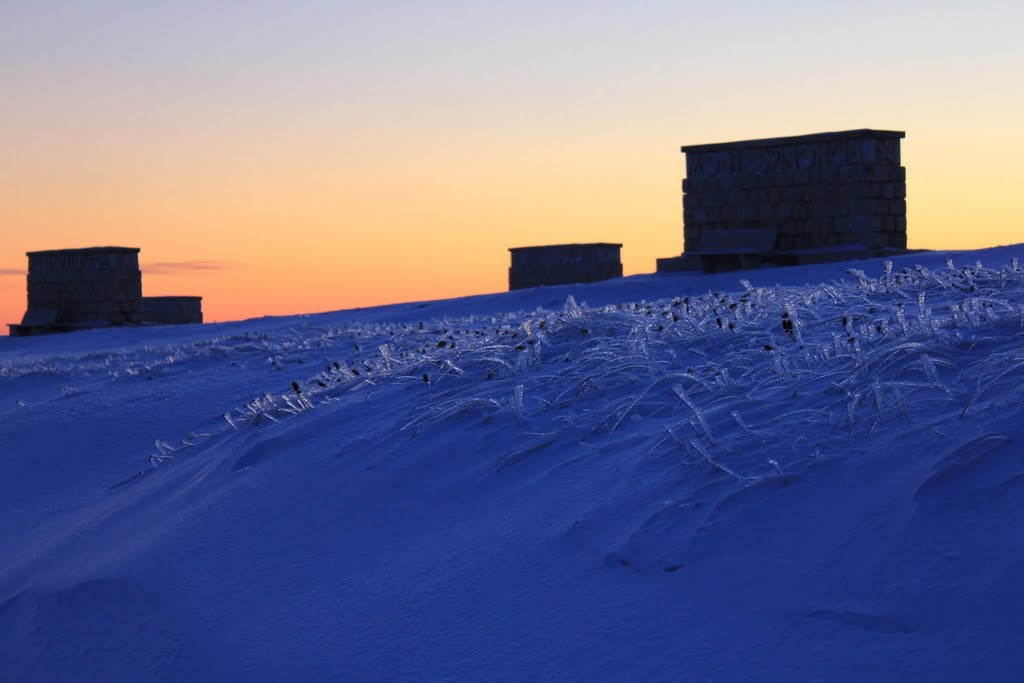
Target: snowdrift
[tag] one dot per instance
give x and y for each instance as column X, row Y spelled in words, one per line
column 788, row 473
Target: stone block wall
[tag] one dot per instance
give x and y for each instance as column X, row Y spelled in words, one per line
column 73, row 289
column 561, row 264
column 841, row 191
column 172, row 310
column 86, row 287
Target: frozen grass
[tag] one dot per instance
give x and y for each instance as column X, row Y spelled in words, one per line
column 749, row 384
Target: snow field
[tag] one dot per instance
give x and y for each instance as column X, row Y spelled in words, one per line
column 765, row 479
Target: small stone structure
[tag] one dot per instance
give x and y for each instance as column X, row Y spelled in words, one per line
column 172, row 310
column 790, row 200
column 73, row 289
column 563, row 264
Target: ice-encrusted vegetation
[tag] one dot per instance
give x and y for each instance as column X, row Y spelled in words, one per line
column 721, row 378
column 714, row 376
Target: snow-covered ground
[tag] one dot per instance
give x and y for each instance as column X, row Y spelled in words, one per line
column 791, row 473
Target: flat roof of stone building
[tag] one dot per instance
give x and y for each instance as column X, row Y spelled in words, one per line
column 568, row 246
column 86, row 250
column 171, row 297
column 859, row 133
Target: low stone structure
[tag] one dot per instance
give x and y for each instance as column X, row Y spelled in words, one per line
column 789, row 200
column 172, row 310
column 563, row 264
column 73, row 289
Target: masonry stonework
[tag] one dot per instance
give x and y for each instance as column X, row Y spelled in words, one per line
column 172, row 310
column 826, row 196
column 563, row 264
column 73, row 289
column 77, row 288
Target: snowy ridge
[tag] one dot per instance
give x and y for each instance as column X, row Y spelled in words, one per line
column 905, row 345
column 799, row 480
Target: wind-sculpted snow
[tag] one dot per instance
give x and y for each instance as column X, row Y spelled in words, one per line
column 768, row 479
column 722, row 379
column 749, row 384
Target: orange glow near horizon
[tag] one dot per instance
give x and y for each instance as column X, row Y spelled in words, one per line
column 331, row 158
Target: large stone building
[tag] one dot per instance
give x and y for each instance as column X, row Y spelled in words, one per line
column 563, row 264
column 72, row 289
column 789, row 200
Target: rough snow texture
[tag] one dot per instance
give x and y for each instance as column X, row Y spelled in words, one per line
column 815, row 473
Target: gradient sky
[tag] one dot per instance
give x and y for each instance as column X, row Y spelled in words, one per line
column 287, row 157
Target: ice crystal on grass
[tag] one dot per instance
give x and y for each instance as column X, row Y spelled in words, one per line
column 257, row 410
column 722, row 376
column 163, row 452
